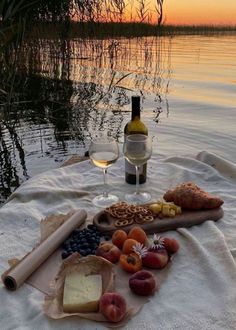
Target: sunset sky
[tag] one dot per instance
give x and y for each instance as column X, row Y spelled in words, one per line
column 177, row 12
column 200, row 11
column 189, row 12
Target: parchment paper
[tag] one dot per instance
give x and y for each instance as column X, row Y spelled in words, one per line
column 14, row 277
column 114, row 280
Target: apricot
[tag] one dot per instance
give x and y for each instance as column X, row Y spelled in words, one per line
column 119, row 237
column 138, row 234
column 131, row 263
column 128, row 245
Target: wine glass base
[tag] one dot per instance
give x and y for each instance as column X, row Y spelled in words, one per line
column 102, row 201
column 139, row 198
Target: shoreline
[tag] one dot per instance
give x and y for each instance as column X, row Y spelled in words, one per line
column 101, row 30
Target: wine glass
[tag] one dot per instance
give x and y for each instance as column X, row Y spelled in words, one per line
column 104, row 152
column 137, row 150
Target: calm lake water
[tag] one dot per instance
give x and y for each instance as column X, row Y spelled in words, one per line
column 69, row 89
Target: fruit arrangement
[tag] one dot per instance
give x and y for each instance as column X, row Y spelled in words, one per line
column 135, row 251
column 131, row 251
column 139, row 251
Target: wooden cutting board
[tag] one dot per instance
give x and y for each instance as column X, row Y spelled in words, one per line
column 105, row 222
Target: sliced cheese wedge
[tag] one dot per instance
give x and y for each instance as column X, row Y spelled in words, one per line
column 82, row 293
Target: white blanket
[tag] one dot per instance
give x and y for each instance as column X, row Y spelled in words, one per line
column 199, row 289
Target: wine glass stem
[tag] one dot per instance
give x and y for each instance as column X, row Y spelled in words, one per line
column 137, row 179
column 105, row 193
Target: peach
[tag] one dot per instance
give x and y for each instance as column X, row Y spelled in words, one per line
column 113, row 306
column 108, row 251
column 171, row 244
column 156, row 260
column 143, row 283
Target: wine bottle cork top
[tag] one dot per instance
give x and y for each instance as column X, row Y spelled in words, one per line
column 135, row 101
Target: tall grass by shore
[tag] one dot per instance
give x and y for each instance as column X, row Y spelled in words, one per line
column 114, row 29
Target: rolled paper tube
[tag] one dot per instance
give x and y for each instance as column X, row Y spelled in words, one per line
column 16, row 276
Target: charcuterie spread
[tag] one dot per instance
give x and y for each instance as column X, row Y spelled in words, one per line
column 124, row 239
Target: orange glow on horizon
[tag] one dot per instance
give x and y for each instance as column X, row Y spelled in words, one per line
column 200, row 12
column 175, row 12
column 188, row 12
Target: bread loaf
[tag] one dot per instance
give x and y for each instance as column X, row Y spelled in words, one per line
column 189, row 196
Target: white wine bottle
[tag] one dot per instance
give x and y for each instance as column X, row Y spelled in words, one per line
column 135, row 126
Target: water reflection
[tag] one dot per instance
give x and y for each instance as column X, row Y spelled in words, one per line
column 66, row 89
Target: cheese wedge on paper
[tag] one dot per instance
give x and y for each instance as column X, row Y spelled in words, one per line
column 82, row 293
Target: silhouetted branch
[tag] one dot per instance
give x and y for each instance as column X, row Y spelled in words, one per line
column 159, row 9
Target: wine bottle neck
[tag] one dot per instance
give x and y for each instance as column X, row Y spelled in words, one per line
column 135, row 115
column 135, row 108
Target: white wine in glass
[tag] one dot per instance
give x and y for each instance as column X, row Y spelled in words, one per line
column 103, row 159
column 137, row 150
column 104, row 152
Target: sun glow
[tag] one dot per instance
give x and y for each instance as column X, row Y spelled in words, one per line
column 175, row 12
column 184, row 12
column 192, row 12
